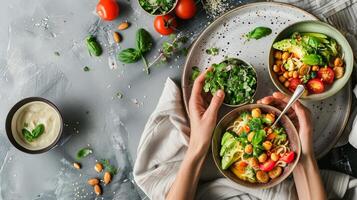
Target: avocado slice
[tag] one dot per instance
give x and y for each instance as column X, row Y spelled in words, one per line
column 230, row 156
column 292, row 46
column 230, row 143
column 226, row 136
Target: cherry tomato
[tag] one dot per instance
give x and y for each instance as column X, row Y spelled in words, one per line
column 294, row 82
column 315, row 86
column 246, row 128
column 289, row 157
column 267, row 166
column 185, row 9
column 165, row 25
column 326, row 74
column 107, row 9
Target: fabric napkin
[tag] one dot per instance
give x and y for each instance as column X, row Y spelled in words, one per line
column 162, row 148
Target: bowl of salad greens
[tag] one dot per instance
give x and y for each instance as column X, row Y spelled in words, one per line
column 158, row 7
column 251, row 153
column 237, row 78
column 314, row 54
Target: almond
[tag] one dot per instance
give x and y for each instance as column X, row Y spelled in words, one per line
column 123, row 26
column 97, row 190
column 93, row 181
column 77, row 165
column 98, row 167
column 116, row 37
column 107, row 178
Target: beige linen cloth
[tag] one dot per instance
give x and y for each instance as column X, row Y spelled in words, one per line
column 163, row 145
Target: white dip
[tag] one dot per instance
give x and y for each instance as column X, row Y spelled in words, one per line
column 29, row 116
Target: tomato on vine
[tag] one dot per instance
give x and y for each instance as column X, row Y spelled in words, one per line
column 165, row 25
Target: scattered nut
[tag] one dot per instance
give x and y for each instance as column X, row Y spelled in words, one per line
column 123, row 26
column 116, row 37
column 93, row 181
column 98, row 167
column 77, row 165
column 107, row 178
column 97, row 190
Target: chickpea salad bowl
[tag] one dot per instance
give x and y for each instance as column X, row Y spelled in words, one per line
column 249, row 152
column 314, row 54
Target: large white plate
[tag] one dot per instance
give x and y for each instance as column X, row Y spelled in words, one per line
column 227, row 34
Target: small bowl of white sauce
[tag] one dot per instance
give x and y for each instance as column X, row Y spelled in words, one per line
column 34, row 125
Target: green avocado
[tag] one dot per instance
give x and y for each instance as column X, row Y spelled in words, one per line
column 230, row 156
column 291, row 46
column 230, row 143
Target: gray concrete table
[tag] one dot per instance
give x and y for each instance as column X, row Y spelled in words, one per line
column 43, row 54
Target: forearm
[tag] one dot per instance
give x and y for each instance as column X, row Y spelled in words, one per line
column 308, row 179
column 185, row 184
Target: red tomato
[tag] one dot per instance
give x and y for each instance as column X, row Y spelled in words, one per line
column 165, row 25
column 246, row 128
column 326, row 74
column 107, row 9
column 315, row 86
column 267, row 166
column 294, row 82
column 289, row 157
column 185, row 9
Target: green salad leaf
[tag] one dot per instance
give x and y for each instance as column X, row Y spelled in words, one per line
column 237, row 79
column 195, row 73
column 212, row 51
column 108, row 167
column 156, row 7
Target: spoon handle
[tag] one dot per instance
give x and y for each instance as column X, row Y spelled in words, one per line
column 297, row 94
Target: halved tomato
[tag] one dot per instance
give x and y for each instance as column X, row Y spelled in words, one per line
column 315, row 86
column 294, row 82
column 289, row 157
column 267, row 165
column 326, row 74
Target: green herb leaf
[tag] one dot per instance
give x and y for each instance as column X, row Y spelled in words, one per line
column 86, row 69
column 27, row 135
column 212, row 51
column 38, row 130
column 312, row 59
column 259, row 32
column 108, row 167
column 57, row 53
column 158, row 7
column 93, row 46
column 195, row 73
column 130, row 55
column 143, row 41
column 119, row 95
column 84, row 152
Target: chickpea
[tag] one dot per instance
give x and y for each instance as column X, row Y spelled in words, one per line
column 285, row 55
column 276, row 172
column 276, row 68
column 248, row 149
column 282, row 79
column 286, row 74
column 262, row 176
column 267, row 145
column 295, row 74
column 270, row 117
column 262, row 158
column 315, row 68
column 253, row 162
column 339, row 71
column 277, row 55
column 256, row 112
column 286, row 83
column 279, row 62
column 338, row 62
column 291, row 74
column 274, row 157
column 269, row 131
column 250, row 136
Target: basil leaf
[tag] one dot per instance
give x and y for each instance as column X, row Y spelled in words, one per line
column 143, row 40
column 93, row 46
column 212, row 51
column 38, row 130
column 27, row 135
column 84, row 152
column 130, row 55
column 259, row 32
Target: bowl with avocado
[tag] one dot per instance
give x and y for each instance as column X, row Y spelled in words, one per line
column 311, row 53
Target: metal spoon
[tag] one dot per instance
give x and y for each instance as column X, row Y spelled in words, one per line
column 297, row 94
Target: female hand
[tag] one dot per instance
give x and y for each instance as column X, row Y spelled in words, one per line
column 301, row 117
column 202, row 118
